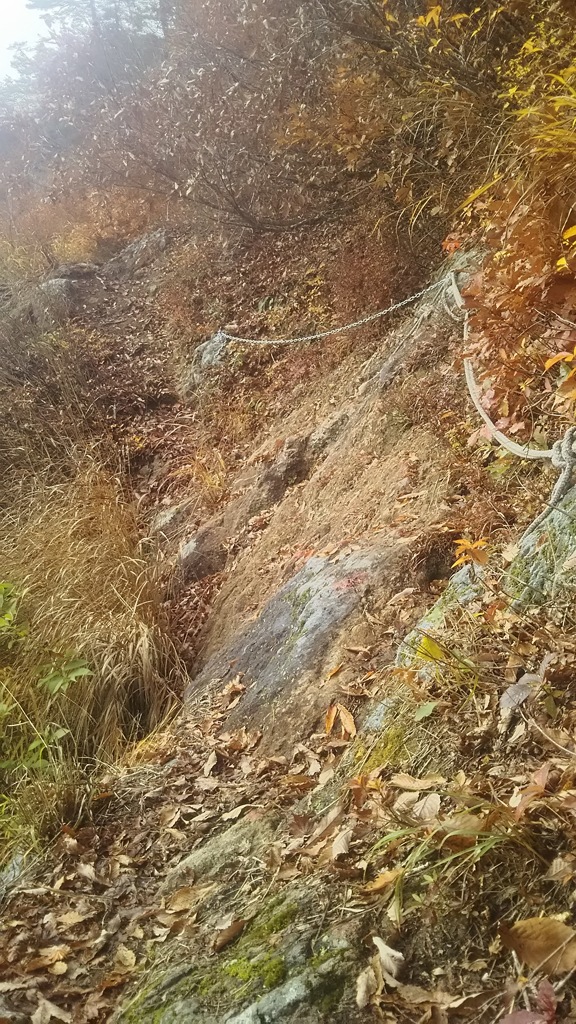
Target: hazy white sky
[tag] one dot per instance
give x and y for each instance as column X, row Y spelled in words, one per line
column 17, row 25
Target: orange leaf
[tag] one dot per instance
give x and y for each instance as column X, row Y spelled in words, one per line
column 330, row 718
column 566, row 357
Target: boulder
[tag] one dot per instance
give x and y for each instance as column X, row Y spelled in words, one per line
column 278, row 652
column 204, row 554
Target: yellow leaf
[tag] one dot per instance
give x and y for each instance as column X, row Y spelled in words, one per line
column 384, row 880
column 565, row 357
column 562, row 263
column 429, row 650
column 434, row 15
column 480, row 192
column 569, row 233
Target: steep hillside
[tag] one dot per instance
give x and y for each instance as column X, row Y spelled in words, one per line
column 287, row 343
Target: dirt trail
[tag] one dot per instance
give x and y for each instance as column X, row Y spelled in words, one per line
column 246, row 856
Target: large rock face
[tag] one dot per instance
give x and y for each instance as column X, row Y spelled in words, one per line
column 280, row 654
column 545, row 567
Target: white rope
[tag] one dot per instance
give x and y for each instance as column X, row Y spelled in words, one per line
column 562, row 454
column 220, row 335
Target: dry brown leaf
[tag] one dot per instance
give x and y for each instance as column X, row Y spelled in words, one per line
column 298, row 781
column 427, row 808
column 235, row 812
column 366, row 987
column 325, row 777
column 542, row 942
column 403, row 781
column 341, row 844
column 58, row 968
column 334, row 671
column 86, row 871
column 181, row 899
column 417, row 996
column 227, row 935
column 124, row 959
column 330, row 718
column 347, row 720
column 390, row 959
column 169, row 815
column 71, row 918
column 210, row 763
column 48, row 1011
column 47, row 956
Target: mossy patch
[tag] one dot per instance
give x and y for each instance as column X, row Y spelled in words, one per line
column 266, row 971
column 388, row 751
column 251, row 968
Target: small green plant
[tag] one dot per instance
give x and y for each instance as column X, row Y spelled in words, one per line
column 58, row 679
column 10, row 633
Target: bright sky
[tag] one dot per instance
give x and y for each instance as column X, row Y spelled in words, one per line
column 17, row 25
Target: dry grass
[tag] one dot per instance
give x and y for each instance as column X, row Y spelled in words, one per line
column 71, row 550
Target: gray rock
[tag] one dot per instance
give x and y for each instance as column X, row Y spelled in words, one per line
column 170, row 523
column 207, row 357
column 204, row 554
column 327, row 432
column 298, row 991
column 243, row 840
column 56, row 299
column 539, row 571
column 291, row 467
column 140, row 253
column 295, row 627
column 76, row 271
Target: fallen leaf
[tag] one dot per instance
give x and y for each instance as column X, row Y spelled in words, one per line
column 525, row 1017
column 334, row 671
column 210, row 763
column 124, row 959
column 298, row 781
column 390, row 959
column 227, row 935
column 341, row 844
column 514, row 696
column 383, row 881
column 183, row 898
column 427, row 808
column 347, row 720
column 48, row 1011
column 58, row 968
column 366, row 987
column 71, row 918
column 542, row 942
column 330, row 718
column 47, row 956
column 86, row 871
column 235, row 812
column 425, row 710
column 403, row 781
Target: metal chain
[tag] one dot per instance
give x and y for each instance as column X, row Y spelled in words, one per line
column 221, row 335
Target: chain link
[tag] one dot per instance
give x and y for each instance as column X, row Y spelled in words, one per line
column 334, row 330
